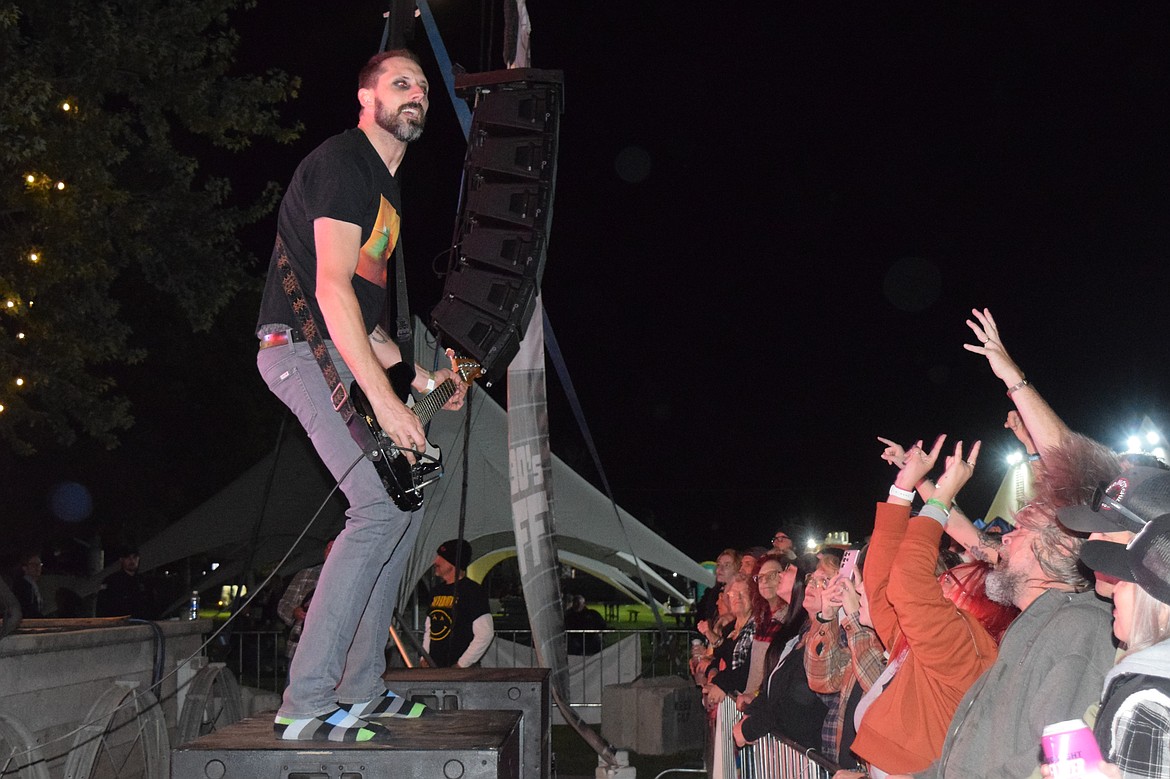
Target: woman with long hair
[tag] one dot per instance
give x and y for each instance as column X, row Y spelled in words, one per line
column 786, row 705
column 1133, row 722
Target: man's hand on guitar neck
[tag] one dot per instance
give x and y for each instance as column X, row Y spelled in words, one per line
column 423, row 379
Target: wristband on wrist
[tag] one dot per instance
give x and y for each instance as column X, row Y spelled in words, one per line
column 898, row 492
column 942, row 506
column 430, row 382
column 1033, row 457
column 1018, row 385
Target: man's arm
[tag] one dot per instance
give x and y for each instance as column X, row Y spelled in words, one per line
column 294, row 596
column 1046, row 429
column 483, row 630
column 338, row 244
column 388, row 354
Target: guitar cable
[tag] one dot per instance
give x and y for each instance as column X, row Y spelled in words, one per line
column 35, row 749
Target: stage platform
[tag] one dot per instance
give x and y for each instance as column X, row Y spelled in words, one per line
column 523, row 689
column 441, row 745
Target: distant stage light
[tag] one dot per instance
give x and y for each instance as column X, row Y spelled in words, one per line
column 1133, row 444
column 1015, row 458
column 811, row 543
column 1152, row 438
column 1159, row 452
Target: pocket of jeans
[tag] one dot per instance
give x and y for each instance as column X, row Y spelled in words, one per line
column 286, row 382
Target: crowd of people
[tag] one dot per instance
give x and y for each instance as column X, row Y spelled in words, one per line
column 941, row 650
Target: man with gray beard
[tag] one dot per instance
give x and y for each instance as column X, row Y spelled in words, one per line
column 1053, row 659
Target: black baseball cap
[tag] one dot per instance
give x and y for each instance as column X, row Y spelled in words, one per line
column 1133, row 499
column 1145, row 560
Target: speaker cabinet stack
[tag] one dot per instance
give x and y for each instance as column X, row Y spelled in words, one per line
column 501, row 233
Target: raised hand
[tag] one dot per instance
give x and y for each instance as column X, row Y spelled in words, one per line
column 841, row 592
column 991, row 347
column 918, row 464
column 894, row 454
column 958, row 472
column 1016, row 425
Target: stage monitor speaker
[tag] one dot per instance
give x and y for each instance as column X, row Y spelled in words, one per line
column 501, row 233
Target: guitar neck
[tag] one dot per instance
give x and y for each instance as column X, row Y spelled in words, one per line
column 426, row 408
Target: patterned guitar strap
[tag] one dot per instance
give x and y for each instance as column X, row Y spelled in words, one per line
column 339, row 396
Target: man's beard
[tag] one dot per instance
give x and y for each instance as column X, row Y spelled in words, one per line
column 402, row 128
column 1004, row 586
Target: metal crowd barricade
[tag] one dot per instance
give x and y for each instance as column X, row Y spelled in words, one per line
column 771, row 757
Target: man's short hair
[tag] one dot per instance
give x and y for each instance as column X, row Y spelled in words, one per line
column 368, row 75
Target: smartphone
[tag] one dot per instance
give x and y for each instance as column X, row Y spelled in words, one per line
column 848, row 563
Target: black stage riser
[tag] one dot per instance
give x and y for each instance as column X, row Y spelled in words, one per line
column 442, row 745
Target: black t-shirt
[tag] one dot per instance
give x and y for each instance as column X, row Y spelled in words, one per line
column 451, row 622
column 344, row 179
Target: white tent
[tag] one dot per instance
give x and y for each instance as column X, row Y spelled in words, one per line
column 256, row 517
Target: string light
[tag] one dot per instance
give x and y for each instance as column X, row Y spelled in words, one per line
column 34, row 257
column 65, row 106
column 1, row 408
column 60, row 185
column 31, row 179
column 10, row 304
column 20, row 336
column 19, row 382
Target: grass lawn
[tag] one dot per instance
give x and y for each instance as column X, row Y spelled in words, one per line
column 576, row 758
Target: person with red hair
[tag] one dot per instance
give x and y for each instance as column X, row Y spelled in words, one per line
column 941, row 631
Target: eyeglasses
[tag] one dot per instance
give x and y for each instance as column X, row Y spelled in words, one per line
column 725, row 565
column 766, row 577
column 780, row 536
column 1102, row 500
column 816, row 582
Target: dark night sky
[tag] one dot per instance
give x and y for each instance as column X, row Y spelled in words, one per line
column 829, row 193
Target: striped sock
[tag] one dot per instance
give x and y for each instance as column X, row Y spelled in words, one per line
column 389, row 704
column 337, row 725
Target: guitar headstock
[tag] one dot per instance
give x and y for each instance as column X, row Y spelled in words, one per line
column 468, row 369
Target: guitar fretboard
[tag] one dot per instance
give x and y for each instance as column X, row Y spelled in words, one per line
column 426, row 408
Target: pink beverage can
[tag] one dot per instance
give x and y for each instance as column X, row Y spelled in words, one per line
column 1071, row 750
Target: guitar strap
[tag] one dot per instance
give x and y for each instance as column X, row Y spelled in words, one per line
column 339, row 396
column 403, row 335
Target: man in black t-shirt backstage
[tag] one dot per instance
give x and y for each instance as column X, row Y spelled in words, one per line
column 459, row 626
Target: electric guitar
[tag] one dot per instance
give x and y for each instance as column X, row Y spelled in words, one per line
column 404, row 482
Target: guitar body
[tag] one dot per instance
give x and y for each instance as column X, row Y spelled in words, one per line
column 404, row 482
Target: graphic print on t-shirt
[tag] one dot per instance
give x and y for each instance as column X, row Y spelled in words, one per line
column 441, row 616
column 374, row 256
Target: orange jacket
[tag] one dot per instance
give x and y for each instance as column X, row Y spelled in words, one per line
column 903, row 730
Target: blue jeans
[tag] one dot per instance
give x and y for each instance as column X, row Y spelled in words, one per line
column 340, row 657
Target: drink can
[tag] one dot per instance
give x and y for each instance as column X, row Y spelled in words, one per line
column 1070, row 749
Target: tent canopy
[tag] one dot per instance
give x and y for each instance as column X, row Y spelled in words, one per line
column 257, row 517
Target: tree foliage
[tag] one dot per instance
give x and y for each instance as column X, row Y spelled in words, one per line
column 109, row 112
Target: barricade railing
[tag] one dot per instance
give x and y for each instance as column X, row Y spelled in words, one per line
column 770, row 757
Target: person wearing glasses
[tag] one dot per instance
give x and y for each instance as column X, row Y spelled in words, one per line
column 782, row 544
column 733, row 654
column 940, row 631
column 769, row 618
column 786, row 704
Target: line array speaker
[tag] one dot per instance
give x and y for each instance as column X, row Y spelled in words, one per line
column 501, row 233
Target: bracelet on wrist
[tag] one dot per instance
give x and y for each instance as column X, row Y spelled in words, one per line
column 898, row 492
column 938, row 503
column 1018, row 386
